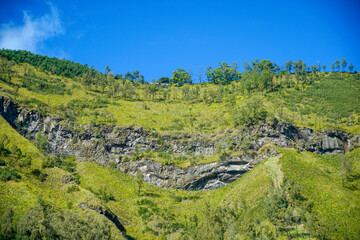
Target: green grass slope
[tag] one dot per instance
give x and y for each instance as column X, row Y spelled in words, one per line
column 324, row 101
column 295, row 194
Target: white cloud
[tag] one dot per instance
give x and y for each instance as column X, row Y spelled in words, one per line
column 32, row 33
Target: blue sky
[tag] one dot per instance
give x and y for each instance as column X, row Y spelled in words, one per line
column 156, row 37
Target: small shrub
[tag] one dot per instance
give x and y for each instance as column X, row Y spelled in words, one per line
column 144, row 213
column 39, row 175
column 4, row 140
column 77, row 178
column 103, row 194
column 7, row 174
column 126, row 159
column 251, row 112
column 69, row 166
column 41, row 141
column 48, row 163
column 16, row 151
column 25, row 162
column 195, row 197
column 148, row 229
column 72, row 188
column 112, row 165
column 145, row 202
column 2, row 162
column 36, row 172
column 177, row 198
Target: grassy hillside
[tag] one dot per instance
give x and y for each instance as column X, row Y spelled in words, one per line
column 293, row 195
column 322, row 101
column 296, row 193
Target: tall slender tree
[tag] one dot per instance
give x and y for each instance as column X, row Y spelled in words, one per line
column 333, row 67
column 289, row 66
column 324, row 67
column 351, row 67
column 337, row 65
column 343, row 64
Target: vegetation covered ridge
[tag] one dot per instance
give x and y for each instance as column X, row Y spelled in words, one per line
column 293, row 195
column 226, row 100
column 206, row 163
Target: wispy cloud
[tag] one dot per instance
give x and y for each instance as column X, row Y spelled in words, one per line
column 32, row 33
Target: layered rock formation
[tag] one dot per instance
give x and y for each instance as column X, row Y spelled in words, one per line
column 113, row 144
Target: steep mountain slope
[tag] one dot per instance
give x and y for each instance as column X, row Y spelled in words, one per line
column 77, row 160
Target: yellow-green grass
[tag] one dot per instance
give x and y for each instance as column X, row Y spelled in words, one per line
column 163, row 115
column 317, row 176
column 320, row 180
column 25, row 146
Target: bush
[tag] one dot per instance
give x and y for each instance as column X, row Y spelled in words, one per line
column 64, row 162
column 68, row 165
column 16, row 151
column 35, row 224
column 6, row 224
column 39, row 175
column 4, row 140
column 144, row 213
column 25, row 162
column 48, row 163
column 7, row 174
column 2, row 162
column 44, row 85
column 250, row 112
column 145, row 202
column 73, row 188
column 103, row 194
column 36, row 172
column 41, row 141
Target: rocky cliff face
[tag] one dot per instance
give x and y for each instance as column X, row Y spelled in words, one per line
column 113, row 144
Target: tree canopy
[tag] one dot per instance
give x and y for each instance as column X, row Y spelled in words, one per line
column 223, row 74
column 180, row 77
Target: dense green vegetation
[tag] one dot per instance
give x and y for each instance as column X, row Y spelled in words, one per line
column 296, row 195
column 301, row 95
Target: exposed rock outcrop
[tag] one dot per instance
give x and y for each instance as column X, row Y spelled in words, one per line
column 113, row 144
column 205, row 176
column 108, row 214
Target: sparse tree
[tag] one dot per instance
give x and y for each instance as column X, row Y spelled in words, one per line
column 343, row 64
column 151, row 89
column 200, row 73
column 128, row 76
column 191, row 74
column 163, row 80
column 139, row 181
column 107, row 70
column 337, row 65
column 289, row 66
column 247, row 67
column 351, row 67
column 313, row 68
column 180, row 77
column 223, row 74
column 324, row 67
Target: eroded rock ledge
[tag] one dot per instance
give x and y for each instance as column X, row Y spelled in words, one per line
column 108, row 214
column 112, row 144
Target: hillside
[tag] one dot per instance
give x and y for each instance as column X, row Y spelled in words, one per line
column 87, row 155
